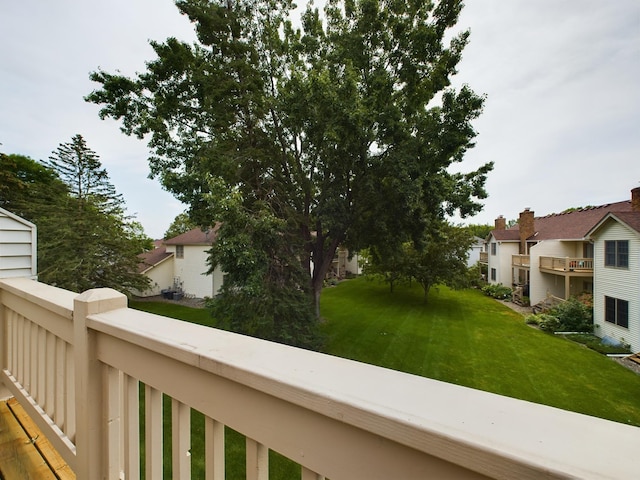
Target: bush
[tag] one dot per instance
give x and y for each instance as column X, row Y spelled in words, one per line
column 548, row 323
column 574, row 316
column 498, row 291
column 532, row 319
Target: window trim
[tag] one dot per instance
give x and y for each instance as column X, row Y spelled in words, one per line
column 616, row 254
column 616, row 311
column 179, row 251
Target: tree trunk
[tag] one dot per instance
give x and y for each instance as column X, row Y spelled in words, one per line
column 322, row 259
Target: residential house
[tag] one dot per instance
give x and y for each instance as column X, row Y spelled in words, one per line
column 344, row 264
column 474, row 252
column 18, row 246
column 158, row 265
column 547, row 256
column 616, row 289
column 563, row 255
column 181, row 263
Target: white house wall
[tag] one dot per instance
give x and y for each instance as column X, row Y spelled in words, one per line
column 161, row 276
column 501, row 261
column 541, row 283
column 191, row 270
column 621, row 283
column 18, row 252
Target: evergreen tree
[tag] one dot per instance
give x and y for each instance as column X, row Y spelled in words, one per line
column 80, row 168
column 84, row 239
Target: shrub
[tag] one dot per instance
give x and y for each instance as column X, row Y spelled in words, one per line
column 532, row 319
column 574, row 316
column 498, row 291
column 548, row 323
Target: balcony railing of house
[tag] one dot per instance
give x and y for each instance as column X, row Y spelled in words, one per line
column 520, row 261
column 567, row 264
column 484, row 257
column 77, row 363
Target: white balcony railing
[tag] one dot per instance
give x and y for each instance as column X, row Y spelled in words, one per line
column 76, row 363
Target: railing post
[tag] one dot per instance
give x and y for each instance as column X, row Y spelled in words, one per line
column 92, row 449
column 4, row 350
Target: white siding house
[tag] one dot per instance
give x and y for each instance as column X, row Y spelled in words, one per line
column 181, row 262
column 551, row 255
column 616, row 289
column 18, row 246
column 157, row 265
column 474, row 251
column 500, row 250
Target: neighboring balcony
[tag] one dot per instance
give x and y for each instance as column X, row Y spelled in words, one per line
column 558, row 265
column 574, row 266
column 521, row 261
column 92, row 374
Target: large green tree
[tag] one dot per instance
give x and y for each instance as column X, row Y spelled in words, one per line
column 84, row 238
column 440, row 258
column 344, row 130
column 181, row 224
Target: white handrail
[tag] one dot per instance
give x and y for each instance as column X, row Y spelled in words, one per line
column 335, row 417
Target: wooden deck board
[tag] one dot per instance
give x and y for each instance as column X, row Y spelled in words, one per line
column 24, row 451
column 19, row 458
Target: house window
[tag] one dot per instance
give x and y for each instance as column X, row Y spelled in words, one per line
column 616, row 253
column 493, row 249
column 616, row 311
column 179, row 251
column 493, row 274
column 587, row 250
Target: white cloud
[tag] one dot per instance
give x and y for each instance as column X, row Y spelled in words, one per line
column 560, row 122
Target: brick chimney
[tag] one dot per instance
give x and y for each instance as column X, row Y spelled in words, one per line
column 635, row 199
column 527, row 228
column 501, row 223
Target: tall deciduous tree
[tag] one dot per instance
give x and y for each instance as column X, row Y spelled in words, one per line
column 344, row 130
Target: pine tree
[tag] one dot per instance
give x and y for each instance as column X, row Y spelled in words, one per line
column 95, row 244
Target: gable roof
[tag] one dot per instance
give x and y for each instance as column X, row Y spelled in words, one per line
column 574, row 225
column 511, row 234
column 152, row 258
column 629, row 219
column 195, row 236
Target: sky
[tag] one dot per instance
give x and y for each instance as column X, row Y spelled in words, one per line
column 561, row 77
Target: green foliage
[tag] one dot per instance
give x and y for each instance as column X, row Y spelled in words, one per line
column 548, row 323
column 277, row 314
column 181, row 224
column 574, row 316
column 84, row 239
column 263, row 294
column 440, row 258
column 344, row 129
column 475, row 275
column 497, row 290
column 481, row 231
column 595, row 343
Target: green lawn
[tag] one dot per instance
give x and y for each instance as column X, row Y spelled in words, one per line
column 468, row 339
column 460, row 337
